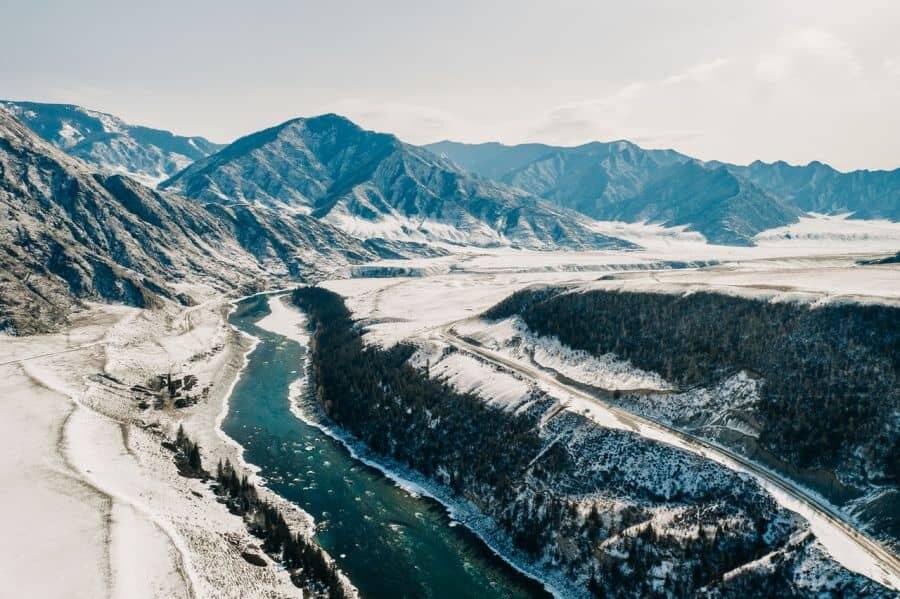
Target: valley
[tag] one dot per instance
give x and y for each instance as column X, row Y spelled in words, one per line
column 447, row 383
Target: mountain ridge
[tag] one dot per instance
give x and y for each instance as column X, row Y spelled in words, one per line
column 69, row 235
column 373, row 185
column 108, row 142
column 579, row 178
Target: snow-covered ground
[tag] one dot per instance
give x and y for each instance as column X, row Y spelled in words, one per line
column 511, row 336
column 818, row 267
column 97, row 500
column 87, row 477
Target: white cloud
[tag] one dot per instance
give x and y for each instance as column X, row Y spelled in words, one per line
column 773, row 67
column 823, row 45
column 613, row 116
column 698, row 73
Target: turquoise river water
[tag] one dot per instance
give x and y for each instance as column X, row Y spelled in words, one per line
column 389, row 542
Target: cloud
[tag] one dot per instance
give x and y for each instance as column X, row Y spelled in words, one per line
column 575, row 122
column 892, row 66
column 610, row 117
column 823, row 45
column 773, row 67
column 697, row 73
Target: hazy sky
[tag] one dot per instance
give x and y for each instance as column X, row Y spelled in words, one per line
column 732, row 80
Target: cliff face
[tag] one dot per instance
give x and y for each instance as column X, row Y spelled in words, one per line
column 597, row 511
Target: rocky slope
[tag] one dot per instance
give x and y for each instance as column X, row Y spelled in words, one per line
column 724, row 208
column 587, row 178
column 817, row 187
column 372, row 185
column 67, row 234
column 110, row 144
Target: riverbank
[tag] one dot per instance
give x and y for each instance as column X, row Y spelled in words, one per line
column 94, row 456
column 290, row 322
column 390, row 536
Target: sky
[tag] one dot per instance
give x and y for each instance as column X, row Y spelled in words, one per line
column 736, row 81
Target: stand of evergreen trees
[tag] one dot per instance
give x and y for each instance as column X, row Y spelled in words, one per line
column 831, row 373
column 379, row 397
column 187, row 456
column 310, row 570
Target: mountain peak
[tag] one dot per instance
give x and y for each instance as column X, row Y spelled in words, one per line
column 372, row 185
column 108, row 143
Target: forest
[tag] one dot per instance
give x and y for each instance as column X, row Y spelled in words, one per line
column 569, row 494
column 309, row 568
column 831, row 374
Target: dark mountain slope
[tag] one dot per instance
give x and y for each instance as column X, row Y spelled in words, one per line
column 67, row 234
column 586, row 178
column 594, row 177
column 818, row 187
column 724, row 208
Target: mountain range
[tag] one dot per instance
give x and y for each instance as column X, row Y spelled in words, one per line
column 109, row 143
column 727, row 203
column 372, row 185
column 69, row 234
column 84, row 218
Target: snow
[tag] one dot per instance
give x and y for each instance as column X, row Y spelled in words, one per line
column 69, row 135
column 470, row 281
column 470, row 375
column 815, row 230
column 99, row 483
column 285, row 320
column 396, row 227
column 47, row 505
column 512, row 337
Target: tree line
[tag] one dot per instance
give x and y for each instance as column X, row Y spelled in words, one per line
column 309, row 568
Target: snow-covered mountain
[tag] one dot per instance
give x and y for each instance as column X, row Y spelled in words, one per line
column 622, row 180
column 67, row 234
column 109, row 143
column 818, row 187
column 585, row 178
column 372, row 185
column 725, row 208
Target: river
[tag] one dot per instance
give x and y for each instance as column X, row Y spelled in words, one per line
column 389, row 542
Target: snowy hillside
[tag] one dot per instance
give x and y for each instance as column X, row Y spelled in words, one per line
column 69, row 235
column 372, row 185
column 110, row 144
